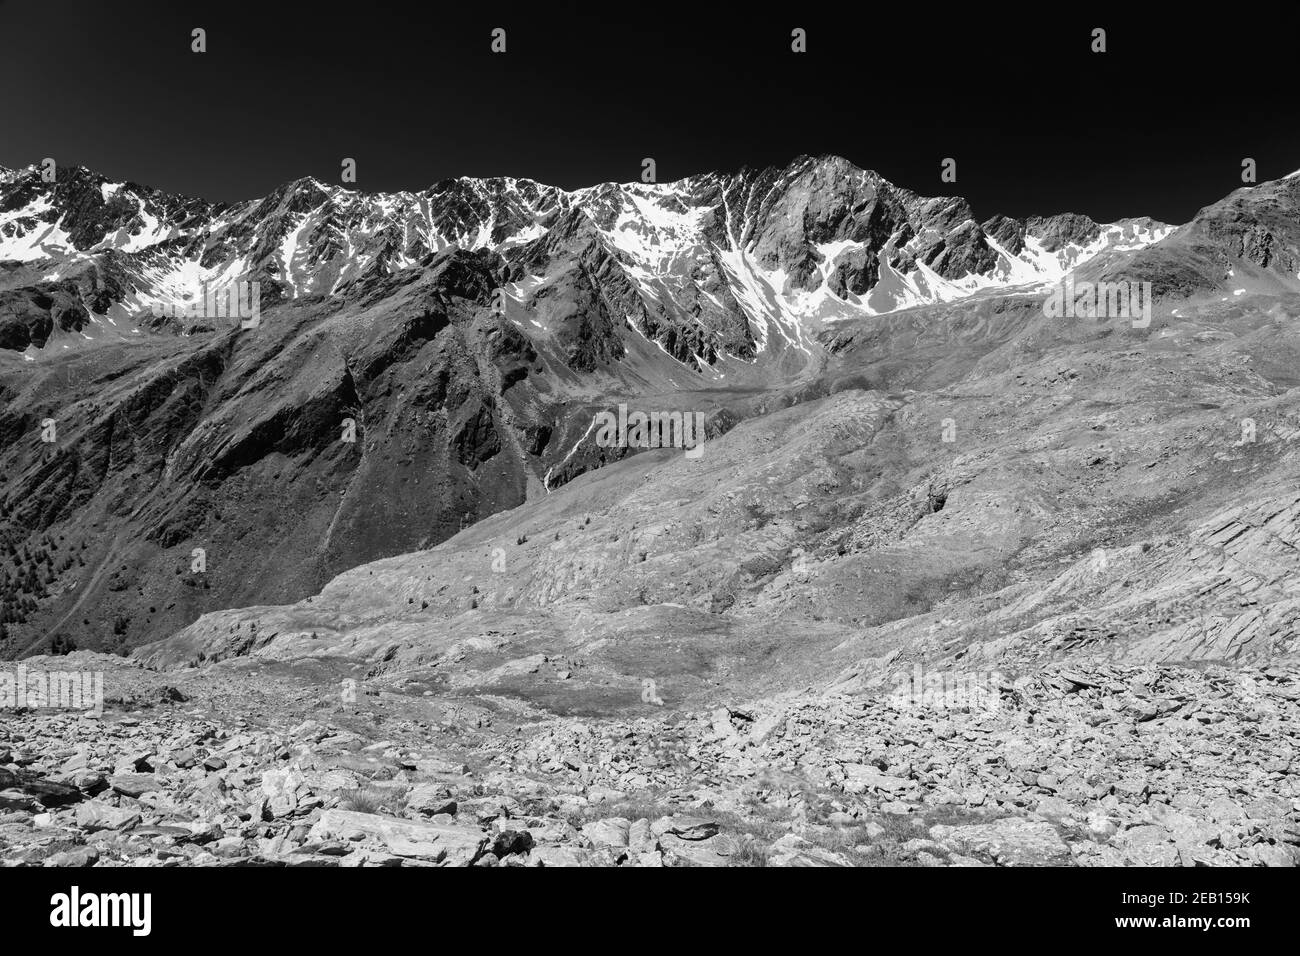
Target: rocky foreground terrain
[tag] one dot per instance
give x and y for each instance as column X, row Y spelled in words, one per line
column 1072, row 765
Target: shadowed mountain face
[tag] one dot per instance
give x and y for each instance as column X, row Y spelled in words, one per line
column 340, row 431
column 426, row 360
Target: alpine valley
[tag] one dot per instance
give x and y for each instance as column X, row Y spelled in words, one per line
column 555, row 650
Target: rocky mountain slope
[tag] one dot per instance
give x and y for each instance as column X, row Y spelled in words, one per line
column 987, row 486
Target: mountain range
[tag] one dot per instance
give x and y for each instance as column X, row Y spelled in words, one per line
column 465, row 335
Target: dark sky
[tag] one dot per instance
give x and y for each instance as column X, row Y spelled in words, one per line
column 1158, row 125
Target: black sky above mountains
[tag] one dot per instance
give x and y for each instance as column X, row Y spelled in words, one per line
column 1158, row 125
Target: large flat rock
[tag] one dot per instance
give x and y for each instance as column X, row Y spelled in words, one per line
column 447, row 845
